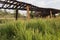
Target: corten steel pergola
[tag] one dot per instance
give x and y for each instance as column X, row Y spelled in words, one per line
column 13, row 4
column 17, row 5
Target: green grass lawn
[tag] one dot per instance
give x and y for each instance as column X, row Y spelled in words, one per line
column 34, row 29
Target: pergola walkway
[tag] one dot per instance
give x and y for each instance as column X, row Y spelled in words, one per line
column 17, row 5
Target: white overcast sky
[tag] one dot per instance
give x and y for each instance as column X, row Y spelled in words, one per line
column 44, row 3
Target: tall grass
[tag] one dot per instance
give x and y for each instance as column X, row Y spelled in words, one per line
column 34, row 29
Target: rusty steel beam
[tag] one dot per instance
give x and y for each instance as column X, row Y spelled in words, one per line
column 32, row 8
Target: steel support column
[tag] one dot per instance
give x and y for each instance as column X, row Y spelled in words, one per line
column 16, row 14
column 28, row 14
column 51, row 14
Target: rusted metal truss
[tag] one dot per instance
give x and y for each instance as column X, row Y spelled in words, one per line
column 12, row 4
column 17, row 5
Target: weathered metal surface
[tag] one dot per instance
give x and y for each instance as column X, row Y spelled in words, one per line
column 17, row 5
column 13, row 4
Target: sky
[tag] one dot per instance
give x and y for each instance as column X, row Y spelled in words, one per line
column 44, row 3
